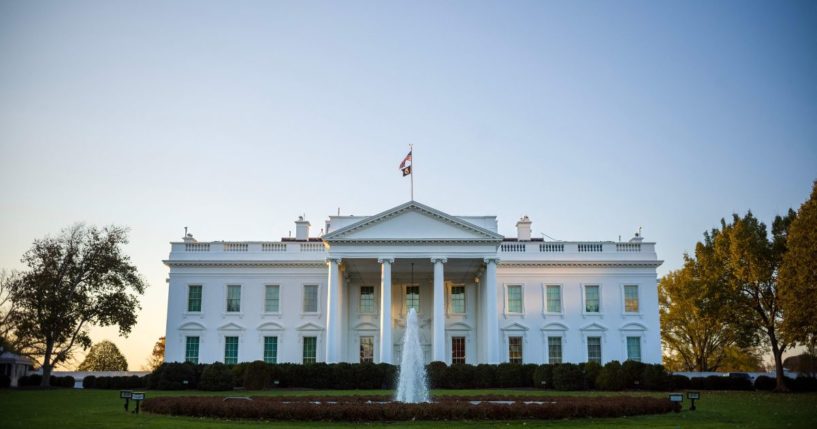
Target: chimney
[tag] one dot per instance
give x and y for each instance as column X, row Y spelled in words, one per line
column 523, row 229
column 301, row 229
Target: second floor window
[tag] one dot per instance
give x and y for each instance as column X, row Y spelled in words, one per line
column 233, row 298
column 310, row 299
column 272, row 301
column 458, row 299
column 631, row 299
column 515, row 299
column 413, row 298
column 554, row 299
column 194, row 298
column 591, row 299
column 367, row 299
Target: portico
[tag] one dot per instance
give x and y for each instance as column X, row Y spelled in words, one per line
column 418, row 257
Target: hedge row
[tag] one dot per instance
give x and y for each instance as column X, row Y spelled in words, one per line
column 34, row 380
column 381, row 409
column 118, row 382
column 5, row 381
column 612, row 376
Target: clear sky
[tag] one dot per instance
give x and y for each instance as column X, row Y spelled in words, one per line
column 593, row 118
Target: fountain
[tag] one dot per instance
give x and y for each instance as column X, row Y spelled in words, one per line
column 411, row 384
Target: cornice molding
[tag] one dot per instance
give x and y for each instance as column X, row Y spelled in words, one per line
column 602, row 264
column 249, row 264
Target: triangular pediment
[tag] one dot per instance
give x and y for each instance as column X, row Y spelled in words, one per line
column 231, row 327
column 594, row 327
column 515, row 327
column 412, row 221
column 309, row 326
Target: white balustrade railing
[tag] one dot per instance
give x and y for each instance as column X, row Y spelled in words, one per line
column 273, row 247
column 590, row 247
column 236, row 247
column 312, row 247
column 196, row 247
column 552, row 247
column 628, row 247
column 513, row 247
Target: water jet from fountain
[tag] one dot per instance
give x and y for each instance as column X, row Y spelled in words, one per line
column 411, row 385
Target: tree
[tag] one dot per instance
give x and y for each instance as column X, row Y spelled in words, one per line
column 798, row 275
column 751, row 261
column 696, row 331
column 8, row 307
column 104, row 356
column 157, row 357
column 75, row 280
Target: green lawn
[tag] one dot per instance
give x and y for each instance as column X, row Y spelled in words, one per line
column 65, row 408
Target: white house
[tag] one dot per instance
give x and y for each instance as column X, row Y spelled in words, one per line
column 481, row 297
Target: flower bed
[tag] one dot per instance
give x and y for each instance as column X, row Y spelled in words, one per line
column 381, row 408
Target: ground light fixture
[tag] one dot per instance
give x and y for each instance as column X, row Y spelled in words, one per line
column 677, row 398
column 138, row 397
column 126, row 395
column 693, row 396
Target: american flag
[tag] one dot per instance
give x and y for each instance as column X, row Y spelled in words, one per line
column 406, row 169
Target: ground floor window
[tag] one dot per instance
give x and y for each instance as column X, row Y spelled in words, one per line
column 310, row 350
column 515, row 349
column 457, row 350
column 413, row 298
column 230, row 350
column 366, row 349
column 594, row 349
column 554, row 349
column 634, row 348
column 191, row 350
column 271, row 349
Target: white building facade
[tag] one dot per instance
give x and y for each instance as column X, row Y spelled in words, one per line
column 480, row 297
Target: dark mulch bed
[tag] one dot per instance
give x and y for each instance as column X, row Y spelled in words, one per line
column 380, row 408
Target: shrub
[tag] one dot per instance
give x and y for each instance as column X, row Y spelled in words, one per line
column 633, row 374
column 803, row 384
column 543, row 377
column 765, row 383
column 66, row 381
column 5, row 381
column 216, row 376
column 591, row 371
column 611, row 377
column 89, row 382
column 174, row 376
column 460, row 376
column 568, row 376
column 484, row 376
column 655, row 378
column 678, row 382
column 32, row 380
column 437, row 373
column 256, row 376
column 511, row 375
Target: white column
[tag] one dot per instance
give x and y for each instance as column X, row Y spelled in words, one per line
column 438, row 322
column 491, row 338
column 333, row 319
column 386, row 344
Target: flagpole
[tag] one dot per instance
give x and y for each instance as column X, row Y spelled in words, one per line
column 411, row 151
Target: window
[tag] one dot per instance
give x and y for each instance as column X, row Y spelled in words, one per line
column 230, row 350
column 272, row 302
column 594, row 349
column 515, row 299
column 233, row 298
column 271, row 349
column 310, row 299
column 310, row 350
column 366, row 349
column 554, row 349
column 367, row 299
column 191, row 350
column 457, row 299
column 413, row 298
column 554, row 299
column 457, row 350
column 631, row 299
column 634, row 348
column 194, row 298
column 515, row 349
column 591, row 299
